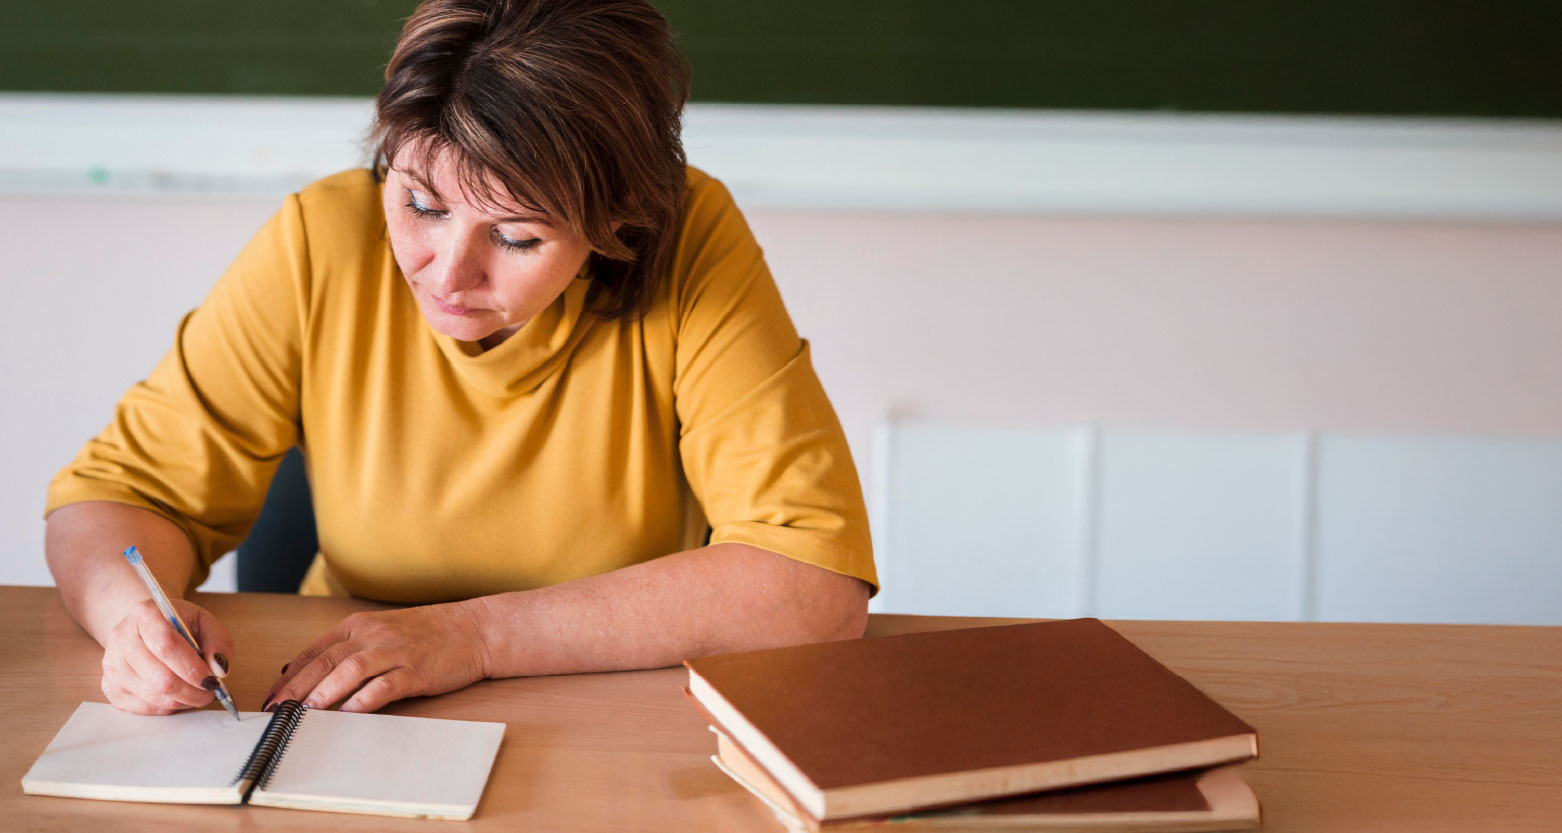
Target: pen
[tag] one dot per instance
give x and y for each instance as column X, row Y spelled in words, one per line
column 158, row 596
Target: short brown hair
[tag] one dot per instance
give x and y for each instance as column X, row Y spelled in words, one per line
column 574, row 106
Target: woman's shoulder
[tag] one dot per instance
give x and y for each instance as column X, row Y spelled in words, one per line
column 711, row 220
column 716, row 258
column 346, row 204
column 329, row 234
column 705, row 197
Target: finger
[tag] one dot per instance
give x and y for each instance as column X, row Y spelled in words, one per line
column 161, row 702
column 144, row 673
column 213, row 637
column 117, row 673
column 306, row 656
column 165, row 643
column 306, row 678
column 123, row 700
column 119, row 698
column 392, row 685
column 348, row 676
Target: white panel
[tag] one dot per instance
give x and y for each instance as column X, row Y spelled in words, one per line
column 224, row 577
column 980, row 521
column 1200, row 527
column 1440, row 529
column 858, row 158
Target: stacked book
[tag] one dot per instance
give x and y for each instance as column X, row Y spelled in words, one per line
column 1043, row 726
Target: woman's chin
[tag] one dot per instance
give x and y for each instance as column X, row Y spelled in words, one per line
column 460, row 328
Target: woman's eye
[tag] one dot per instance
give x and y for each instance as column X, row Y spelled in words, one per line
column 516, row 245
column 418, row 207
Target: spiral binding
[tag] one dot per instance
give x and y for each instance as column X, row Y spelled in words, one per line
column 269, row 749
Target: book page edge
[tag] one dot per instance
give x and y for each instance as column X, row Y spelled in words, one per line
column 907, row 794
column 142, row 795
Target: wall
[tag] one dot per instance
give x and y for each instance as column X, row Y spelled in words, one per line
column 1004, row 321
column 1384, row 326
column 1022, row 317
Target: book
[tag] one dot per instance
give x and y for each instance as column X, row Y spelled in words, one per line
column 879, row 726
column 292, row 757
column 1183, row 802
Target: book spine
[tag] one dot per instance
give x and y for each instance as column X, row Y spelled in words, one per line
column 268, row 751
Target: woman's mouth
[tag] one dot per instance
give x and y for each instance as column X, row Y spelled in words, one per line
column 449, row 308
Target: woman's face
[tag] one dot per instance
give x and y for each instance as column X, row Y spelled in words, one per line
column 478, row 273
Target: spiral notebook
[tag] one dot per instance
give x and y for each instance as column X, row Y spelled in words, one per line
column 293, row 757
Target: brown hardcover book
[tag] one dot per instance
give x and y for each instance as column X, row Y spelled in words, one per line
column 1182, row 802
column 879, row 726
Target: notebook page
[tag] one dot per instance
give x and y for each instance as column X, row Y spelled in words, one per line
column 188, row 758
column 384, row 764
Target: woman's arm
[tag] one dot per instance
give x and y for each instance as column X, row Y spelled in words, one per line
column 719, row 598
column 198, row 439
column 716, row 599
column 147, row 667
column 82, row 542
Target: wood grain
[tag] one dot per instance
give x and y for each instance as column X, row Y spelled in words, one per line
column 1362, row 727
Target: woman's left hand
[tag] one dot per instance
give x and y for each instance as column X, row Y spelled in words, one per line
column 385, row 656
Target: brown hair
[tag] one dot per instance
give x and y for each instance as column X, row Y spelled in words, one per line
column 574, row 106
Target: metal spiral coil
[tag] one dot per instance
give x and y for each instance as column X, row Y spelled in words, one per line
column 268, row 751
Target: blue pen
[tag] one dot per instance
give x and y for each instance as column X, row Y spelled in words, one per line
column 172, row 615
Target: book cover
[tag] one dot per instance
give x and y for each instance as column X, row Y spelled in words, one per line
column 885, row 725
column 1198, row 800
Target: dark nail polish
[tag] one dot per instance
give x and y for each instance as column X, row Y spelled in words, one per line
column 266, row 706
column 284, row 667
column 210, row 683
column 222, row 662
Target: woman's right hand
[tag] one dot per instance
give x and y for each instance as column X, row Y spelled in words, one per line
column 148, row 668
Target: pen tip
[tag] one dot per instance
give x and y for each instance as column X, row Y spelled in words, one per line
column 132, row 556
column 226, row 700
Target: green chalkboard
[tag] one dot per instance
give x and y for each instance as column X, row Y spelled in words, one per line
column 1407, row 57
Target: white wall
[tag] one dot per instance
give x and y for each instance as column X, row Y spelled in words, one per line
column 94, row 288
column 1027, row 317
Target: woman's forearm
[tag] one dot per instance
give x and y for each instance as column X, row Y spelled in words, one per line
column 724, row 597
column 84, row 542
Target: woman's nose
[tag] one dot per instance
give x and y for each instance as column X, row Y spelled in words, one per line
column 457, row 266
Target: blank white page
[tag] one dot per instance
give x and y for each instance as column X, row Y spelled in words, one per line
column 384, row 764
column 190, row 758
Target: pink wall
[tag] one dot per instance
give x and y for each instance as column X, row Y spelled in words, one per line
column 1263, row 325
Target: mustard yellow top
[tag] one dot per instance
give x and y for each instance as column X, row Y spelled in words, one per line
column 440, row 471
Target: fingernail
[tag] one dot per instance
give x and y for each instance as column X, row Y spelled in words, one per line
column 266, row 706
column 284, row 667
column 222, row 662
column 210, row 683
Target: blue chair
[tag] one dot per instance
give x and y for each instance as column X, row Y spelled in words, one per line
column 283, row 542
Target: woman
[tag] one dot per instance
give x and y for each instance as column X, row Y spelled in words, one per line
column 530, row 357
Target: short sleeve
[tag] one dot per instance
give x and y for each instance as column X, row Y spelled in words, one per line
column 199, row 440
column 760, row 444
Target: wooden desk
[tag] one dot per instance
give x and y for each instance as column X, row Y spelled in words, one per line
column 1362, row 727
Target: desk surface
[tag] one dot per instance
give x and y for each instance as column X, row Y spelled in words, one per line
column 1362, row 727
